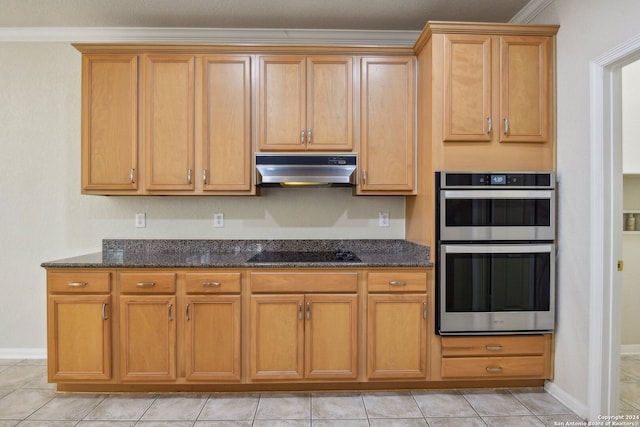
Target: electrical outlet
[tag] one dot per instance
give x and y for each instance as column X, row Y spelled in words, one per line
column 383, row 219
column 218, row 219
column 141, row 220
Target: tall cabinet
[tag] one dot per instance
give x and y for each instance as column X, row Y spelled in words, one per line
column 486, row 100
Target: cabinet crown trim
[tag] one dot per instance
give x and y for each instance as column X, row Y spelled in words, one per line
column 257, row 36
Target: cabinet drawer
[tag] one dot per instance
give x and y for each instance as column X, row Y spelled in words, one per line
column 273, row 282
column 212, row 283
column 147, row 283
column 401, row 281
column 79, row 281
column 493, row 346
column 493, row 367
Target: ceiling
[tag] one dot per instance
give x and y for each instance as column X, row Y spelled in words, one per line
column 402, row 15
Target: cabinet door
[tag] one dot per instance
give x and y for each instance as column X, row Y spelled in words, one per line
column 525, row 83
column 226, row 145
column 331, row 336
column 147, row 338
column 79, row 337
column 397, row 336
column 467, row 81
column 213, row 338
column 169, row 122
column 387, row 125
column 282, row 103
column 276, row 337
column 109, row 122
column 329, row 103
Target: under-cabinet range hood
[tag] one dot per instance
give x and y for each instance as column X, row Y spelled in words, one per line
column 305, row 169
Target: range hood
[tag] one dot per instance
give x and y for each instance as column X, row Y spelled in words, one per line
column 305, row 169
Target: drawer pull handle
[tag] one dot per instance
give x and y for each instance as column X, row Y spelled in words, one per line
column 299, row 311
column 494, row 369
column 104, row 311
column 145, row 284
column 494, row 347
column 308, row 310
column 397, row 283
column 77, row 284
column 188, row 317
column 424, row 310
column 212, row 284
column 170, row 313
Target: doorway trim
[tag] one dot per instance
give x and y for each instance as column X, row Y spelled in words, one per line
column 606, row 234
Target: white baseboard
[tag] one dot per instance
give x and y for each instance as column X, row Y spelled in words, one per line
column 630, row 349
column 579, row 408
column 23, row 353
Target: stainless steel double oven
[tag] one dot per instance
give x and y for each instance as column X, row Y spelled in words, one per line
column 495, row 252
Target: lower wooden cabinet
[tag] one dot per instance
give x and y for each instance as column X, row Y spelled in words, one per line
column 397, row 336
column 79, row 331
column 193, row 328
column 147, row 326
column 79, row 326
column 502, row 356
column 147, row 338
column 303, row 336
column 212, row 332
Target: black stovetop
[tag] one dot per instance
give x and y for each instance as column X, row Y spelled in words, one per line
column 285, row 257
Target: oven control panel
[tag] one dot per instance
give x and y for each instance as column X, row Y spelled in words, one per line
column 497, row 179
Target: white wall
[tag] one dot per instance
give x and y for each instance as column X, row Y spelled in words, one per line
column 631, row 275
column 588, row 29
column 630, row 119
column 44, row 217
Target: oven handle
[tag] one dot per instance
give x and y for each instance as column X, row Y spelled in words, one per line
column 498, row 194
column 498, row 249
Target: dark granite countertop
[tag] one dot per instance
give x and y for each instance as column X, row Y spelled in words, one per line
column 236, row 254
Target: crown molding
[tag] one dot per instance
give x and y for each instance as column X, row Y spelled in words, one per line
column 248, row 36
column 530, row 11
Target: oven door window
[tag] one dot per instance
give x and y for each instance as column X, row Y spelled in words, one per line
column 497, row 212
column 490, row 282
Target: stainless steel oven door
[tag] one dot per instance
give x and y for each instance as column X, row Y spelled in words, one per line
column 497, row 215
column 489, row 288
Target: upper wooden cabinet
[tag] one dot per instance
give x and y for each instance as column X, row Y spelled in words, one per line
column 387, row 108
column 305, row 103
column 226, row 123
column 195, row 115
column 487, row 92
column 109, row 122
column 471, row 113
column 169, row 122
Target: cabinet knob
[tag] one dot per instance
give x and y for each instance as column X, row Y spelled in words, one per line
column 145, row 284
column 397, row 283
column 77, row 284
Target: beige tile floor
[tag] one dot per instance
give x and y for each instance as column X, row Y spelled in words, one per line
column 630, row 384
column 27, row 400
